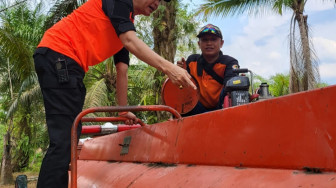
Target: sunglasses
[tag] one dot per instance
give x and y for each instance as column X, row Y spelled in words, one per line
column 209, row 30
column 213, row 30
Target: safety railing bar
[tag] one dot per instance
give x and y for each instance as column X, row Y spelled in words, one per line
column 102, row 119
column 136, row 109
column 106, row 109
column 106, row 119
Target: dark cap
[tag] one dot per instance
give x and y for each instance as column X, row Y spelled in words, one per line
column 210, row 29
column 167, row 0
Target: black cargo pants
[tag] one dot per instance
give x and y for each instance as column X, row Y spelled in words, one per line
column 63, row 100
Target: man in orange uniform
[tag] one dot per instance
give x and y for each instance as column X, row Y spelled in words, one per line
column 211, row 70
column 94, row 32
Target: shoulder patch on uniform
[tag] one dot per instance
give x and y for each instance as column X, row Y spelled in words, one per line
column 235, row 67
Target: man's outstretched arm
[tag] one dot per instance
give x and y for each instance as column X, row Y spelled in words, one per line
column 122, row 62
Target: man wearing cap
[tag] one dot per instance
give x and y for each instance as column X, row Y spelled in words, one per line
column 94, row 32
column 211, row 69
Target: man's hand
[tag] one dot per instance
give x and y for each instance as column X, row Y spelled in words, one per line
column 182, row 63
column 132, row 119
column 180, row 77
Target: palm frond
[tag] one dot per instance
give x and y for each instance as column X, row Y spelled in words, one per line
column 11, row 6
column 96, row 95
column 61, row 9
column 17, row 50
column 19, row 35
column 33, row 94
column 29, row 82
column 235, row 7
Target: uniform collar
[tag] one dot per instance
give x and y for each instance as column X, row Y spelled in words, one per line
column 202, row 63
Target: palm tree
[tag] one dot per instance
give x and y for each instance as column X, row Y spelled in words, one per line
column 100, row 82
column 304, row 73
column 20, row 31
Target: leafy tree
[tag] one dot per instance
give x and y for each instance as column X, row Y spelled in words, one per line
column 304, row 74
column 279, row 85
column 322, row 84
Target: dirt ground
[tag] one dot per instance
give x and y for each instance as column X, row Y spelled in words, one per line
column 32, row 180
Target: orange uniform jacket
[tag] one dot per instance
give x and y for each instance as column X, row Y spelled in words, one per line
column 88, row 35
column 211, row 88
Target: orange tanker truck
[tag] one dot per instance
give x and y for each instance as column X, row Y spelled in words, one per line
column 286, row 141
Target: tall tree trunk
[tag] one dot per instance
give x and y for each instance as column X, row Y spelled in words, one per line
column 165, row 34
column 111, row 83
column 164, row 31
column 6, row 164
column 304, row 69
column 294, row 81
column 110, row 77
column 308, row 75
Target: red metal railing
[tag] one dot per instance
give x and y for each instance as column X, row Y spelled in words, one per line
column 80, row 118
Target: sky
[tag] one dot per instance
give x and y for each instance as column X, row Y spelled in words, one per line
column 261, row 43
